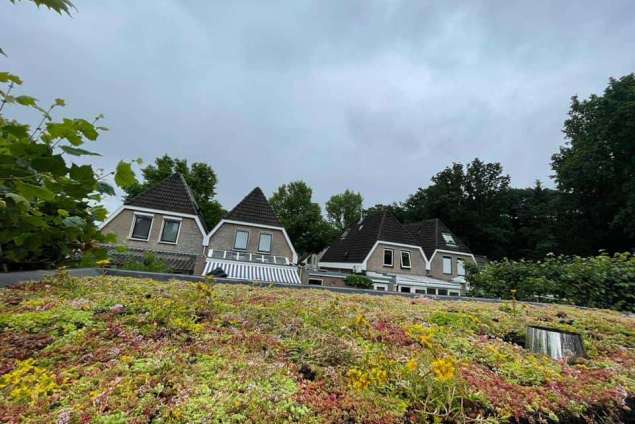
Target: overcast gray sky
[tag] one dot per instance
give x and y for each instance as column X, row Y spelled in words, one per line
column 373, row 96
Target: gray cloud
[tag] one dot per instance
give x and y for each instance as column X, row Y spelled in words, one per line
column 375, row 96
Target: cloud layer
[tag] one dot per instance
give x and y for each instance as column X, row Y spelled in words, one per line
column 374, row 96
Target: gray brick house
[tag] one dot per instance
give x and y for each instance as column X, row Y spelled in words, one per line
column 165, row 220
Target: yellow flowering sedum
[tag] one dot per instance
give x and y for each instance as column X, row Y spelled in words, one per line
column 28, row 382
column 444, row 369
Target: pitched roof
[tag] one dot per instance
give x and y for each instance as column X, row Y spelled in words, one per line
column 254, row 208
column 429, row 235
column 358, row 240
column 171, row 194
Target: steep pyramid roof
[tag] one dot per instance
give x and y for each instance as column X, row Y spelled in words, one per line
column 358, row 240
column 429, row 234
column 170, row 195
column 254, row 208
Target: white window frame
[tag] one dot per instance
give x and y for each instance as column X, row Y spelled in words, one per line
column 236, row 239
column 443, row 258
column 450, row 240
column 308, row 282
column 460, row 267
column 384, row 287
column 410, row 290
column 401, row 252
column 454, row 293
column 178, row 233
column 260, row 239
column 392, row 257
column 134, row 221
column 434, row 289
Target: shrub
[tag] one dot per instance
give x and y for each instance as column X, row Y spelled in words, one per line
column 150, row 263
column 601, row 281
column 359, row 281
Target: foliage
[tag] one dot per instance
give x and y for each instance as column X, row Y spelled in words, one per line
column 595, row 169
column 359, row 281
column 344, row 209
column 301, row 217
column 200, row 177
column 150, row 263
column 59, row 6
column 49, row 204
column 248, row 354
column 469, row 199
column 601, row 282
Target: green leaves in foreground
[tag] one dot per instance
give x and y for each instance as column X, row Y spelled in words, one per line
column 49, row 205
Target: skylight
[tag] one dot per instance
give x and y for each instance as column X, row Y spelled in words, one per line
column 449, row 239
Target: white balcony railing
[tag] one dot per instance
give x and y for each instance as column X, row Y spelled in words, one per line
column 238, row 255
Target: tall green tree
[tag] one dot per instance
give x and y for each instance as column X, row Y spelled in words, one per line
column 302, row 217
column 344, row 209
column 595, row 169
column 49, row 204
column 199, row 176
column 472, row 200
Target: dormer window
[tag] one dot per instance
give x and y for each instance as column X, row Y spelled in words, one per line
column 449, row 239
column 264, row 244
column 405, row 259
column 141, row 226
column 242, row 237
column 388, row 254
column 170, row 230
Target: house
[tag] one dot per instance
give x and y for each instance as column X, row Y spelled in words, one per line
column 165, row 220
column 425, row 257
column 249, row 243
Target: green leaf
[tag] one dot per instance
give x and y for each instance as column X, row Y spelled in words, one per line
column 100, row 213
column 87, row 129
column 83, row 174
column 30, row 191
column 53, row 164
column 74, row 221
column 7, row 77
column 26, row 100
column 62, row 212
column 76, row 151
column 18, row 200
column 60, row 102
column 106, row 188
column 124, row 176
column 3, row 204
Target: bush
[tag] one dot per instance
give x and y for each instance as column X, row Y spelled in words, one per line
column 150, row 263
column 359, row 281
column 601, row 281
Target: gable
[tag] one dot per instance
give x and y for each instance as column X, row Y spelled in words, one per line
column 254, row 208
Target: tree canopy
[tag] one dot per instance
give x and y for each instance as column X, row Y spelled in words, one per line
column 344, row 209
column 301, row 217
column 199, row 176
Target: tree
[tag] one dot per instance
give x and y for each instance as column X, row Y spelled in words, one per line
column 199, row 176
column 48, row 206
column 301, row 217
column 344, row 209
column 472, row 201
column 595, row 169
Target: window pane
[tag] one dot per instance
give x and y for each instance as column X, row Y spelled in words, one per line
column 264, row 245
column 447, row 265
column 388, row 257
column 315, row 282
column 170, row 231
column 405, row 259
column 404, row 289
column 431, row 291
column 448, row 239
column 380, row 288
column 141, row 227
column 460, row 267
column 443, row 292
column 241, row 240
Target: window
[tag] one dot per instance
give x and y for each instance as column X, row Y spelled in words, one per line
column 241, row 240
column 430, row 290
column 264, row 244
column 405, row 259
column 170, row 231
column 314, row 282
column 454, row 293
column 449, row 239
column 380, row 287
column 460, row 267
column 443, row 292
column 447, row 265
column 420, row 291
column 388, row 257
column 404, row 289
column 141, row 227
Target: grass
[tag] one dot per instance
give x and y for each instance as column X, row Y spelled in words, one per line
column 118, row 350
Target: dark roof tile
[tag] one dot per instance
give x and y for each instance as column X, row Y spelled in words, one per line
column 254, row 208
column 429, row 235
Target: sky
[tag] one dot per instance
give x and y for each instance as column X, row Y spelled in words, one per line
column 372, row 96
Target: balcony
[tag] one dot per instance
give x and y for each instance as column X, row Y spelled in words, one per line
column 242, row 256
